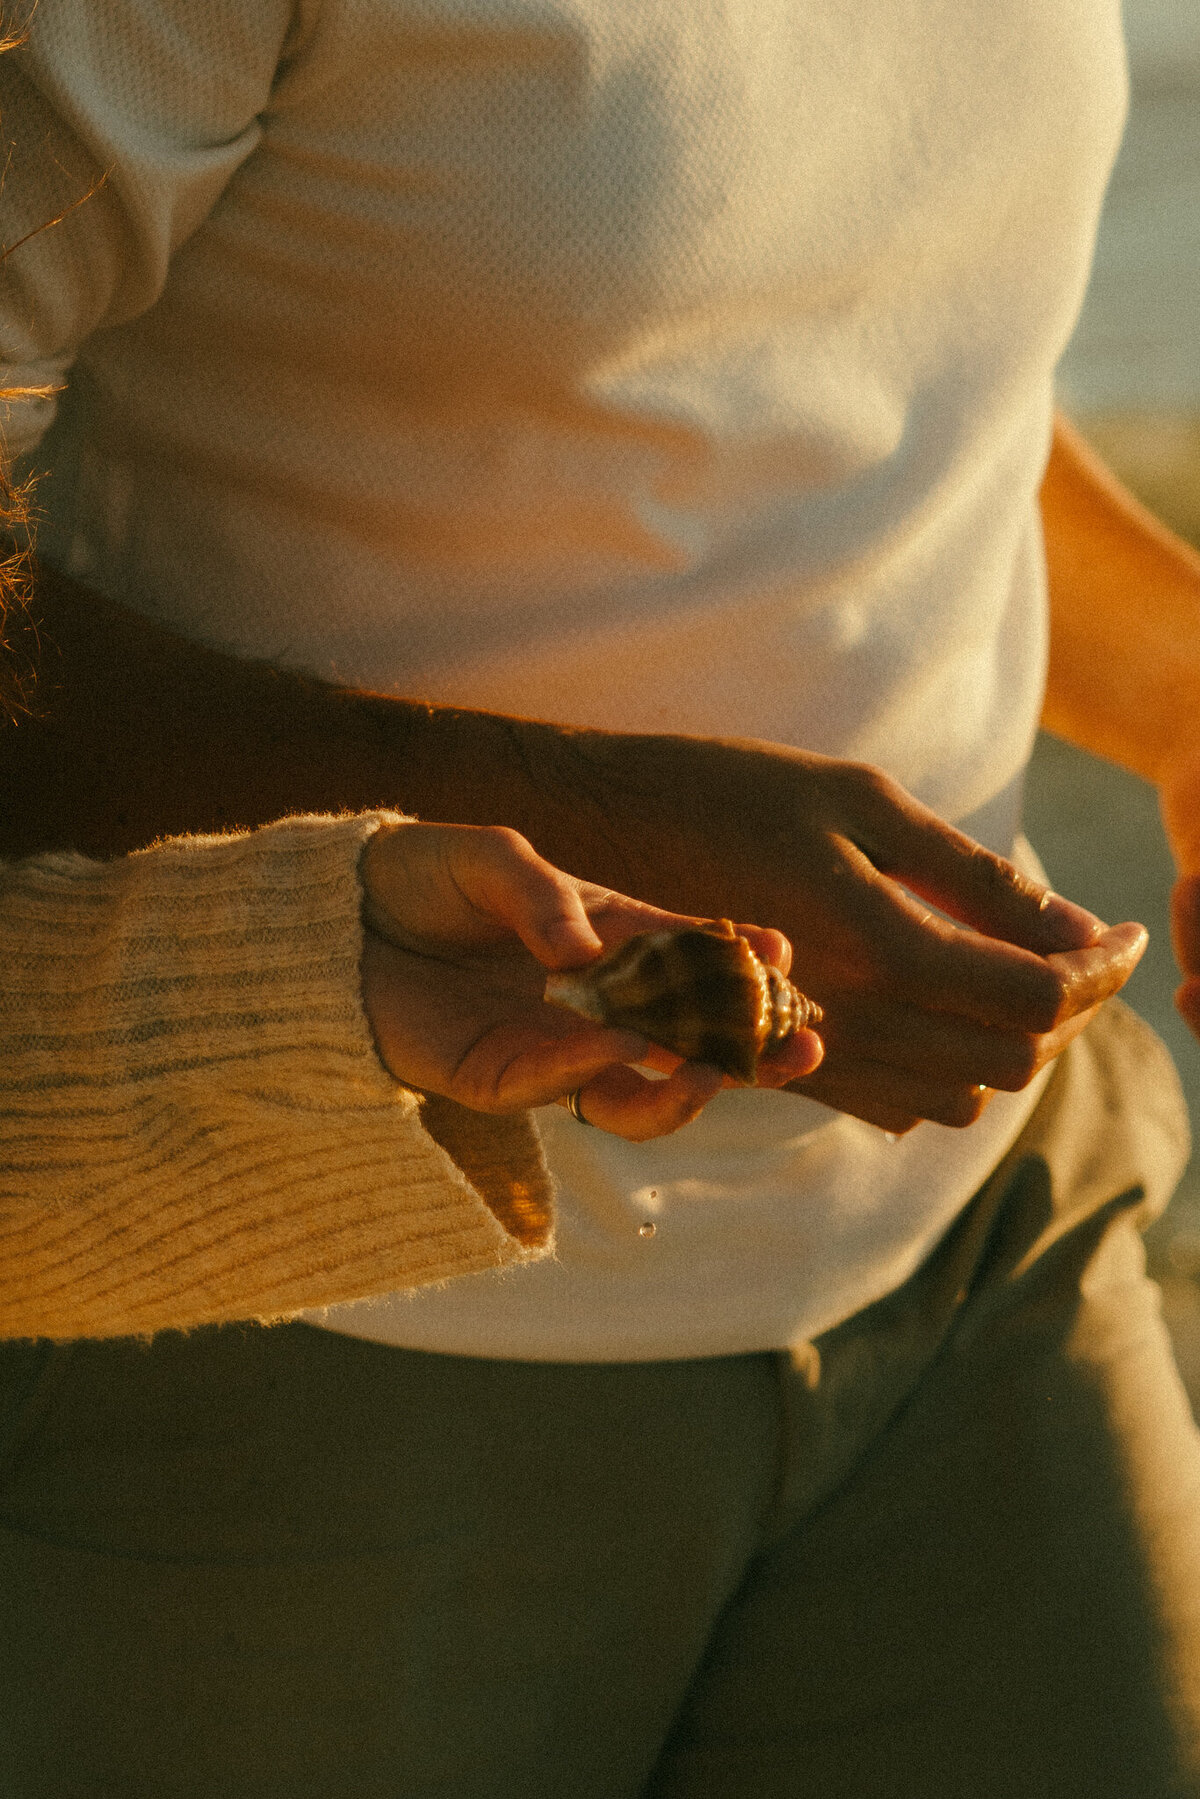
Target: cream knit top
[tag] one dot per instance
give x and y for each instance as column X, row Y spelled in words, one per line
column 194, row 1123
column 652, row 364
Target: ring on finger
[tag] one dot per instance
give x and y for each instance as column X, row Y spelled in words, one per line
column 574, row 1109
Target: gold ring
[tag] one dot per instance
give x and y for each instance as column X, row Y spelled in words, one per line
column 573, row 1107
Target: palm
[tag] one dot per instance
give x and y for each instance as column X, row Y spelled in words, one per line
column 474, row 1027
column 455, row 995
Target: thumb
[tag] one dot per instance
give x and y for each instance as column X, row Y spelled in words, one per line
column 501, row 873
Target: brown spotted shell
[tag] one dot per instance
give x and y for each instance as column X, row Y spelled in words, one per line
column 702, row 993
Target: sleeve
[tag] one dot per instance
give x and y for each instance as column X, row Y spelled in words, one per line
column 123, row 122
column 194, row 1123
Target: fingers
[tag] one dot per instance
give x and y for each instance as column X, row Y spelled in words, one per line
column 1090, row 976
column 511, row 1070
column 630, row 1105
column 769, row 946
column 906, row 840
column 933, row 964
column 502, row 875
column 454, row 888
column 893, row 1099
column 942, row 1049
column 451, row 888
column 797, row 1056
column 790, row 1060
column 616, row 917
column 912, row 1073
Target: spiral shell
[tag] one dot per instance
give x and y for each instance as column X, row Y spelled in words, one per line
column 702, row 993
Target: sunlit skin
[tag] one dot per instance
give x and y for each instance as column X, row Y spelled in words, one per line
column 465, row 922
column 143, row 733
column 1124, row 677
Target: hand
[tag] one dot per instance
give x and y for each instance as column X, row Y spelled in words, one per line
column 139, row 734
column 923, row 1019
column 462, row 925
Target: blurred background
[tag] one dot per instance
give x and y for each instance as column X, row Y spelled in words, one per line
column 1131, row 380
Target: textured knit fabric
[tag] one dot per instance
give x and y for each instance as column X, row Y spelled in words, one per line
column 655, row 364
column 194, row 1123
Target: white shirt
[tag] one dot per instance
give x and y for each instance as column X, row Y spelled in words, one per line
column 649, row 364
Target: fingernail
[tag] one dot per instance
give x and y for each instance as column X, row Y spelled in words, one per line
column 1135, row 935
column 1068, row 926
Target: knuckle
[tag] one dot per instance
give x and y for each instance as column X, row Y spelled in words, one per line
column 898, row 1124
column 1022, row 1059
column 871, row 787
column 505, row 841
column 996, row 876
column 491, row 1104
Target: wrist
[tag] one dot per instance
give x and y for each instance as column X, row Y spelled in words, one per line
column 561, row 788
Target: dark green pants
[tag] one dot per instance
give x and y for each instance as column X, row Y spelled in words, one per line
column 949, row 1551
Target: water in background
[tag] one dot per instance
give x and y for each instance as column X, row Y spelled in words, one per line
column 1132, row 371
column 1137, row 347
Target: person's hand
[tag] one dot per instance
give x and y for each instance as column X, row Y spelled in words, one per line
column 923, row 1019
column 1179, row 794
column 462, row 925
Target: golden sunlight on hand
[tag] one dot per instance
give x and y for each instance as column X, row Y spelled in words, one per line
column 463, row 923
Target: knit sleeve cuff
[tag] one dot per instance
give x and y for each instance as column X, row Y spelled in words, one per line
column 194, row 1123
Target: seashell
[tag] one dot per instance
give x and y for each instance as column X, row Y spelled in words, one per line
column 701, row 993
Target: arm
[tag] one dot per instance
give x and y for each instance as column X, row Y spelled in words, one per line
column 1124, row 679
column 140, row 733
column 136, row 733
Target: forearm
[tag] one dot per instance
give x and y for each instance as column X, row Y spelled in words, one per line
column 1124, row 678
column 135, row 733
column 142, row 734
